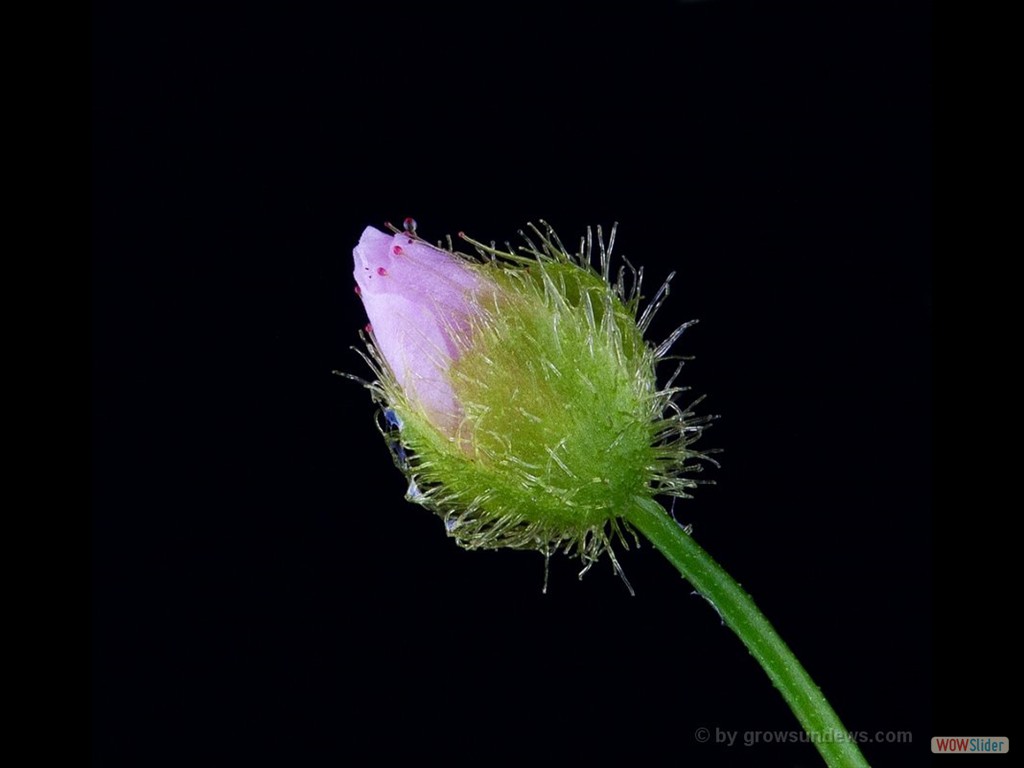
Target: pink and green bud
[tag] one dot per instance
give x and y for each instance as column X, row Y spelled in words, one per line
column 523, row 393
column 520, row 398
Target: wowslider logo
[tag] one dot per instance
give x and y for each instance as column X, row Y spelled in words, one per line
column 976, row 745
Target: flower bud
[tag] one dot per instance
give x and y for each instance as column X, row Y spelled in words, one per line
column 518, row 392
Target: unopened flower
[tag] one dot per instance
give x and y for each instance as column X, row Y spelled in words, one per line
column 519, row 397
column 517, row 391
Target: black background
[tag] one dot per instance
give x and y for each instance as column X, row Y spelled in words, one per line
column 261, row 592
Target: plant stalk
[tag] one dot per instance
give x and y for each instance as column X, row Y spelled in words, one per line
column 743, row 617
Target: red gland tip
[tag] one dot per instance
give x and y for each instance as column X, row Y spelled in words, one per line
column 398, row 250
column 382, row 271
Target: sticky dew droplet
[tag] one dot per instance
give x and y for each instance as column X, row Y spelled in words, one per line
column 392, row 418
column 413, row 492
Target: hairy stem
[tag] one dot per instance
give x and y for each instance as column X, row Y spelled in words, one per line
column 739, row 612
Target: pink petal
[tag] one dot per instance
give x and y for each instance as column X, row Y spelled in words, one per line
column 419, row 299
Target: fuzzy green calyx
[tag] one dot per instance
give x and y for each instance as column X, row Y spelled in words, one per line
column 561, row 423
column 558, row 397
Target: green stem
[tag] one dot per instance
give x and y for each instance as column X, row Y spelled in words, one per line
column 738, row 611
